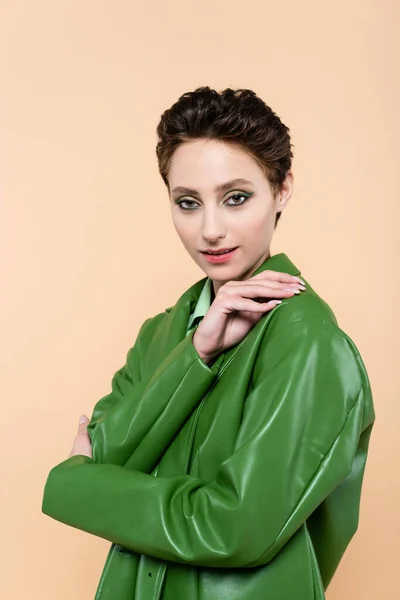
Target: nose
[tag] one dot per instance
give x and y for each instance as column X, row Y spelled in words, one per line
column 213, row 226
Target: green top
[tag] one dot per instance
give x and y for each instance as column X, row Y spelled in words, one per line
column 202, row 306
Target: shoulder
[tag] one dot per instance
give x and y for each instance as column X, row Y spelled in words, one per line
column 304, row 328
column 189, row 297
column 305, row 306
column 307, row 311
column 303, row 344
column 150, row 325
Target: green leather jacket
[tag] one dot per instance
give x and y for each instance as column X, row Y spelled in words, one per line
column 235, row 481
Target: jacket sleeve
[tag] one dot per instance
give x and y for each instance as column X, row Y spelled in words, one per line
column 126, row 427
column 121, row 384
column 298, row 438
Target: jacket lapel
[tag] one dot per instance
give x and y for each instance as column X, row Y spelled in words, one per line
column 174, row 327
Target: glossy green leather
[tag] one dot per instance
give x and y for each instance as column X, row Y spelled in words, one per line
column 235, row 481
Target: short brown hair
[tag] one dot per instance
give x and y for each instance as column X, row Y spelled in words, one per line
column 234, row 116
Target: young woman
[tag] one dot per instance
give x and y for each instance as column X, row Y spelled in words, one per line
column 227, row 461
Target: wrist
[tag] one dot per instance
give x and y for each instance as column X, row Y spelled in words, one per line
column 206, row 358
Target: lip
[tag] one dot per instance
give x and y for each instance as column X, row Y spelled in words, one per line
column 218, row 249
column 219, row 258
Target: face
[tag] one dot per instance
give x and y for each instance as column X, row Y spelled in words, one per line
column 221, row 199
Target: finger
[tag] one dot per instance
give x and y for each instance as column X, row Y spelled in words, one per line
column 259, row 290
column 83, row 423
column 278, row 276
column 244, row 304
column 272, row 283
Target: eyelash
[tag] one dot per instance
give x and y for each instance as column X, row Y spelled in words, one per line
column 246, row 197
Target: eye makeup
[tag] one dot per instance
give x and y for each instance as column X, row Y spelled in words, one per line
column 245, row 195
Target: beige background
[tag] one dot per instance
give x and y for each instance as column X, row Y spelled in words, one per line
column 88, row 250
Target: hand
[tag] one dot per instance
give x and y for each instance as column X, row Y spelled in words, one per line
column 82, row 443
column 235, row 310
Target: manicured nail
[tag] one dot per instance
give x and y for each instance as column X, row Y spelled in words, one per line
column 299, row 280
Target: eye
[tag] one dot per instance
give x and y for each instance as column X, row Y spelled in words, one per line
column 239, row 195
column 192, row 205
column 191, row 202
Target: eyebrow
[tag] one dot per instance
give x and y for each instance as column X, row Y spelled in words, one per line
column 222, row 187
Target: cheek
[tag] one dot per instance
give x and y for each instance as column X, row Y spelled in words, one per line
column 185, row 228
column 255, row 222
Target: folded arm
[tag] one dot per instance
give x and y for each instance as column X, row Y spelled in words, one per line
column 134, row 424
column 298, row 438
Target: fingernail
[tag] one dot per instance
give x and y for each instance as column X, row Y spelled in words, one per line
column 82, row 419
column 299, row 280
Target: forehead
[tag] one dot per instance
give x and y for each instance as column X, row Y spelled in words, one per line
column 206, row 163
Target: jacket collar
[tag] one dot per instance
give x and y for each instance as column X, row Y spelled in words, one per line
column 203, row 303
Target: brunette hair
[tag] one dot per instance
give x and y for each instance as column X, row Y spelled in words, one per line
column 234, row 116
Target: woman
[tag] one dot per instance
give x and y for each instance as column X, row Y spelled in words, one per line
column 228, row 459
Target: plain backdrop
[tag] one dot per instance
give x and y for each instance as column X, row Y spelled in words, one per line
column 88, row 249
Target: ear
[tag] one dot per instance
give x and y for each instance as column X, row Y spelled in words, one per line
column 285, row 193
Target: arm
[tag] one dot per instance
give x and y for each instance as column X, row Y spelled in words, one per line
column 299, row 435
column 121, row 384
column 137, row 431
